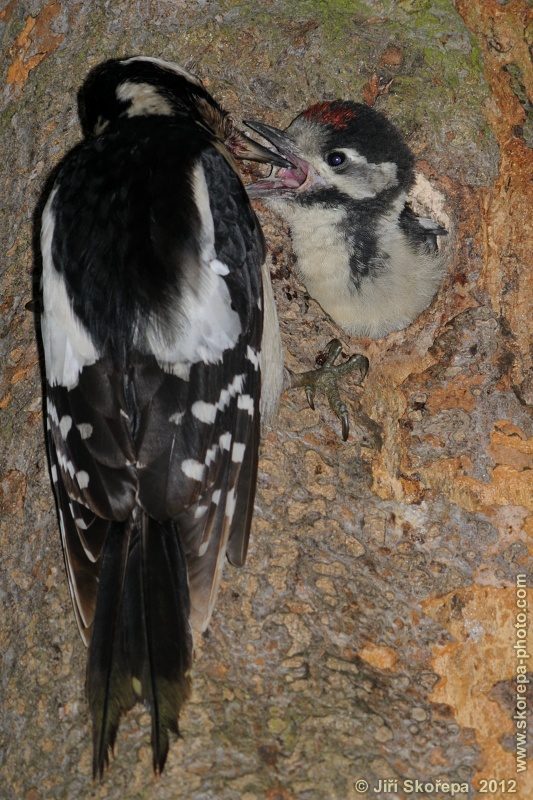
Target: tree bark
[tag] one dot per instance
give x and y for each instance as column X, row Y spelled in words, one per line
column 371, row 634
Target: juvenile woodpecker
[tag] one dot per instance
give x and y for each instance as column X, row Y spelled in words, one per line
column 362, row 252
column 152, row 330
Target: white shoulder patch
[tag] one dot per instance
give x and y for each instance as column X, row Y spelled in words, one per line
column 205, row 324
column 68, row 347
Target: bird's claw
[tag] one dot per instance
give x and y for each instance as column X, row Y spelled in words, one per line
column 327, row 377
column 310, row 394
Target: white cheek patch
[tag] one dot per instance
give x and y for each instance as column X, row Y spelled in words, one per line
column 145, row 99
column 361, row 179
column 68, row 347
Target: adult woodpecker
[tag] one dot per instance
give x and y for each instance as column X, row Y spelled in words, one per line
column 362, row 252
column 153, row 337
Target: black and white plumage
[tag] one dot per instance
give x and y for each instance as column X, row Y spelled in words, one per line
column 152, row 332
column 362, row 252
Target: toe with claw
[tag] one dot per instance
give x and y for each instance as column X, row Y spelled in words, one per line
column 326, row 379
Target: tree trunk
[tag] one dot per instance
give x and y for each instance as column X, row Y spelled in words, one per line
column 371, row 635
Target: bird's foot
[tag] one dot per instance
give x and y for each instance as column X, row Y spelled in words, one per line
column 326, row 379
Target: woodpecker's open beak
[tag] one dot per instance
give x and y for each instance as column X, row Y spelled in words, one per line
column 293, row 177
column 241, row 146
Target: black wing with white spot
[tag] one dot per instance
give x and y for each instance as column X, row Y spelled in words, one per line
column 92, row 464
column 421, row 230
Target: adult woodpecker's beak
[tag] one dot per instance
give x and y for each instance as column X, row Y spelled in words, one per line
column 281, row 140
column 242, row 147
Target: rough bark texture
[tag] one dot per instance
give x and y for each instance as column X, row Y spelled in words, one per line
column 370, row 635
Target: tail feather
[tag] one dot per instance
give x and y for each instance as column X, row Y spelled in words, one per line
column 167, row 636
column 109, row 691
column 141, row 646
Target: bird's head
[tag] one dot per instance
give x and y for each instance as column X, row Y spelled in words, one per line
column 340, row 151
column 142, row 86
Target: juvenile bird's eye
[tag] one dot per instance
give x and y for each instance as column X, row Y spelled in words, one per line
column 336, row 158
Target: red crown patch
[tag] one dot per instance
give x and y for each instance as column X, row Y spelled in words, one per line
column 337, row 114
